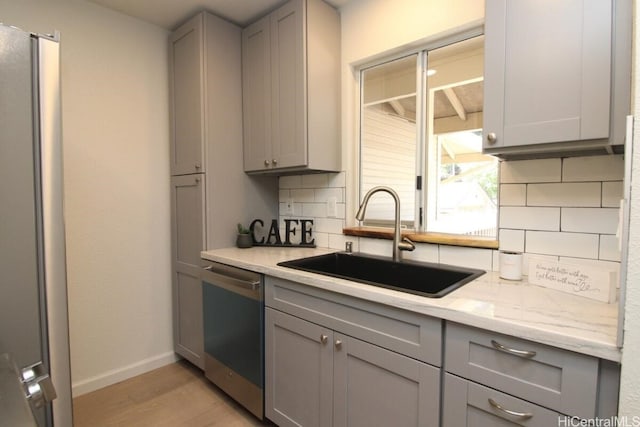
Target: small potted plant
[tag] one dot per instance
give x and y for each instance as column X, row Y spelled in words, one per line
column 244, row 239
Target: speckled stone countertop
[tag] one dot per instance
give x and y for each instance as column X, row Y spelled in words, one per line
column 514, row 308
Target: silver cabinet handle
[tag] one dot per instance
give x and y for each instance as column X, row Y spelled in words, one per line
column 323, row 339
column 267, row 163
column 274, row 161
column 522, row 353
column 492, row 138
column 197, row 165
column 338, row 344
column 519, row 415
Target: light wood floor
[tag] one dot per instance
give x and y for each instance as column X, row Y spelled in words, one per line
column 174, row 395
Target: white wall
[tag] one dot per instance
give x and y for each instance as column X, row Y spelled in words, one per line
column 116, row 137
column 630, row 383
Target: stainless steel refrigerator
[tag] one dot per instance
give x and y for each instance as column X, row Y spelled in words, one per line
column 33, row 292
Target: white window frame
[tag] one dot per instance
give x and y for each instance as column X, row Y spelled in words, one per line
column 427, row 167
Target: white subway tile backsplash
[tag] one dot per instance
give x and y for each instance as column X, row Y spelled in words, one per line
column 511, row 240
column 329, row 225
column 530, row 218
column 590, row 220
column 513, row 194
column 283, row 194
column 318, row 180
column 324, row 194
column 424, row 252
column 593, row 168
column 549, row 208
column 526, row 171
column 609, row 248
column 290, row 181
column 316, row 210
column 338, row 180
column 583, row 194
column 612, row 193
column 338, row 241
column 321, row 240
column 376, row 246
column 302, row 195
column 579, row 245
column 467, row 257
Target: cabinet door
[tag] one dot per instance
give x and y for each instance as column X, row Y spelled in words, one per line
column 187, row 206
column 558, row 379
column 467, row 404
column 186, row 89
column 298, row 369
column 547, row 71
column 374, row 386
column 256, row 95
column 289, row 139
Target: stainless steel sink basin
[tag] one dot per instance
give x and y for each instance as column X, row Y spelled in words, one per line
column 420, row 278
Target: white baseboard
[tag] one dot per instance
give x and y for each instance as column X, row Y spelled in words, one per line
column 116, row 375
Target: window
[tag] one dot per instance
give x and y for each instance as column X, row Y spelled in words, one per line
column 421, row 134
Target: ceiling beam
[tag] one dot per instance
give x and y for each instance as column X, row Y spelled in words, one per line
column 455, row 102
column 397, row 107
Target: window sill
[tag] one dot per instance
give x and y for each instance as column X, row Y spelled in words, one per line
column 423, row 237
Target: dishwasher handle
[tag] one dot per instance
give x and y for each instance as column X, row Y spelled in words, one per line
column 226, row 279
column 233, row 279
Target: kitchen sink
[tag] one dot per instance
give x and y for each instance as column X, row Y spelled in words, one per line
column 421, row 278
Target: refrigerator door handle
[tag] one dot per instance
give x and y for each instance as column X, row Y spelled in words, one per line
column 38, row 385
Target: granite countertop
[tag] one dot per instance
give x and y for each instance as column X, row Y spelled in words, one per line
column 514, row 308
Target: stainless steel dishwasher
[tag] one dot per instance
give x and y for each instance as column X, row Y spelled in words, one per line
column 233, row 311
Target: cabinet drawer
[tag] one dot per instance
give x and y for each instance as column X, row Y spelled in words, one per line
column 407, row 333
column 557, row 379
column 469, row 404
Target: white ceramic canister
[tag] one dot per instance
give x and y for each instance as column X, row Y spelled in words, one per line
column 511, row 265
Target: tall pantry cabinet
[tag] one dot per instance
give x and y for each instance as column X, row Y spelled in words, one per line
column 210, row 193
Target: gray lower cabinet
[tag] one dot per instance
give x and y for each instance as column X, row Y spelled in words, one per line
column 319, row 377
column 336, row 360
column 187, row 214
column 298, row 371
column 520, row 371
column 468, row 404
column 373, row 386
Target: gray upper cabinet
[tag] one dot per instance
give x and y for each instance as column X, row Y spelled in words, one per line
column 256, row 94
column 291, row 89
column 556, row 76
column 186, row 83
